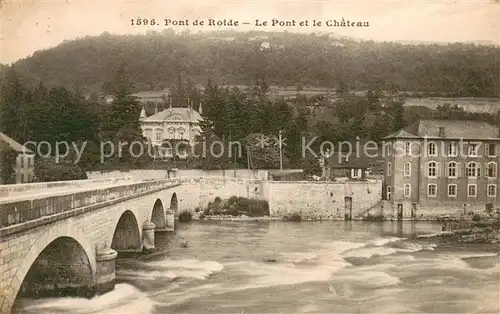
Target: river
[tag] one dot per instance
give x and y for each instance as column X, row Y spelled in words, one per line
column 289, row 267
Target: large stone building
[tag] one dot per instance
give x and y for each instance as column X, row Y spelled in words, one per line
column 170, row 125
column 442, row 167
column 25, row 161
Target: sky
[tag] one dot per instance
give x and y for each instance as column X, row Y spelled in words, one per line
column 31, row 25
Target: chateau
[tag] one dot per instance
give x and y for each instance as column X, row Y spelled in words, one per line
column 442, row 166
column 171, row 124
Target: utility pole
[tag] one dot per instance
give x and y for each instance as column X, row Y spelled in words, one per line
column 281, row 153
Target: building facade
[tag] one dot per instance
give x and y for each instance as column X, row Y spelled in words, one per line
column 442, row 168
column 170, row 126
column 24, row 167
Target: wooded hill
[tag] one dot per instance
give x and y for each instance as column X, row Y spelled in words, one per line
column 286, row 59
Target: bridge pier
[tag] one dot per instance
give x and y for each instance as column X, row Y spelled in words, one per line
column 170, row 221
column 105, row 270
column 148, row 236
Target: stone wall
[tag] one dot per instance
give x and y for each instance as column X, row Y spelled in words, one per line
column 197, row 192
column 322, row 200
column 185, row 173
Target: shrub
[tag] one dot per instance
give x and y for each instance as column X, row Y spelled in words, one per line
column 371, row 217
column 294, row 217
column 476, row 217
column 185, row 216
column 47, row 170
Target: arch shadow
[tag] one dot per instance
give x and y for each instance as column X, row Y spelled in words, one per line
column 174, row 204
column 127, row 235
column 158, row 216
column 62, row 268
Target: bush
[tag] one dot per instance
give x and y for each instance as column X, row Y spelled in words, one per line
column 47, row 170
column 185, row 216
column 476, row 217
column 236, row 206
column 371, row 217
column 294, row 217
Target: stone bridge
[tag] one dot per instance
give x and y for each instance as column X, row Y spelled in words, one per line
column 62, row 239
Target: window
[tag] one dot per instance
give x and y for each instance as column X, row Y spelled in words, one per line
column 407, row 169
column 492, row 170
column 452, row 150
column 21, row 161
column 432, row 190
column 492, row 190
column 473, row 150
column 389, row 190
column 389, row 169
column 356, row 173
column 452, row 190
column 472, row 190
column 432, row 149
column 473, row 169
column 491, row 150
column 407, row 190
column 407, row 148
column 158, row 134
column 432, row 169
column 452, row 169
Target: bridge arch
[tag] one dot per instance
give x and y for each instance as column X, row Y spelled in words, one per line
column 158, row 217
column 127, row 235
column 74, row 250
column 174, row 204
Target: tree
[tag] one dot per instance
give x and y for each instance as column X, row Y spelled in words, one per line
column 8, row 158
column 121, row 118
column 264, row 151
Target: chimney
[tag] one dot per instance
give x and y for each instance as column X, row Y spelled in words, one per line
column 441, row 131
column 156, row 107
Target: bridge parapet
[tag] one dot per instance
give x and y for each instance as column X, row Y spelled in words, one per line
column 12, row 189
column 21, row 214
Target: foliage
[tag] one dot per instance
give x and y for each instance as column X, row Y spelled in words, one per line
column 292, row 59
column 236, row 206
column 476, row 217
column 371, row 217
column 293, row 217
column 47, row 170
column 8, row 158
column 185, row 216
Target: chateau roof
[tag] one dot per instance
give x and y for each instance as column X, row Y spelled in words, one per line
column 14, row 145
column 175, row 114
column 453, row 129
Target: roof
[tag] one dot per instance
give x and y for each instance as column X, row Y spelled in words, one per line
column 175, row 114
column 453, row 129
column 14, row 145
column 346, row 160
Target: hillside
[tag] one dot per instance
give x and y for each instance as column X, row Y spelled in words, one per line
column 284, row 59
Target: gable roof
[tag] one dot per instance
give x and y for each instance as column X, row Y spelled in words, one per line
column 14, row 145
column 175, row 114
column 453, row 129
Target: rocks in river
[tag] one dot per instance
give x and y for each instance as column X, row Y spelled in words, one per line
column 468, row 232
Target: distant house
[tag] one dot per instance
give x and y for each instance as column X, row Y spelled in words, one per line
column 355, row 165
column 170, row 125
column 25, row 161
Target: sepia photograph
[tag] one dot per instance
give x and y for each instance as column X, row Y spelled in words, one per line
column 249, row 157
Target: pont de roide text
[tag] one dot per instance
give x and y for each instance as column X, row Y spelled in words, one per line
column 342, row 22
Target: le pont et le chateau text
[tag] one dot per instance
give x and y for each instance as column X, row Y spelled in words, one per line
column 256, row 23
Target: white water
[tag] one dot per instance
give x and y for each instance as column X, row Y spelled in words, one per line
column 363, row 271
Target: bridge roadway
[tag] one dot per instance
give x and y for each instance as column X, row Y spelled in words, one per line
column 62, row 238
